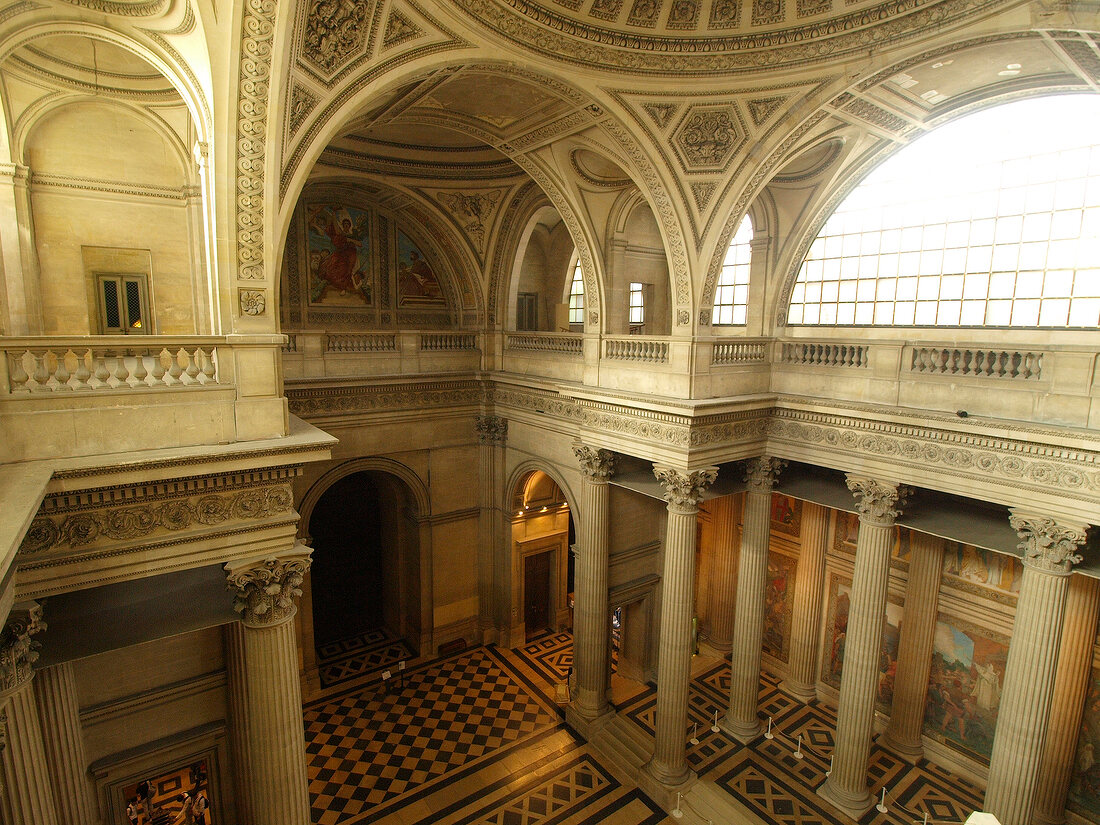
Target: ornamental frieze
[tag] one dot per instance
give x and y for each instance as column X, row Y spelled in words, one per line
column 87, row 527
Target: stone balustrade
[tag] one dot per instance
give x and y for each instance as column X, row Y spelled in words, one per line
column 636, row 348
column 979, row 363
column 824, row 354
column 728, row 353
column 559, row 343
column 448, row 341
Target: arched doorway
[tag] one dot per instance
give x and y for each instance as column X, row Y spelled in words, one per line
column 366, row 574
column 542, row 566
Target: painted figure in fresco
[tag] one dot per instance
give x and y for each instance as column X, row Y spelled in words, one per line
column 417, row 280
column 987, row 687
column 340, row 266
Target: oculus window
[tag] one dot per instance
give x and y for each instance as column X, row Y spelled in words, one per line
column 731, row 295
column 990, row 221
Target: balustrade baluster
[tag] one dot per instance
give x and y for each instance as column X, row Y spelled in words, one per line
column 41, row 374
column 102, row 374
column 19, row 375
column 83, row 374
column 139, row 372
column 208, row 370
column 158, row 368
column 121, row 372
column 193, row 365
column 62, row 373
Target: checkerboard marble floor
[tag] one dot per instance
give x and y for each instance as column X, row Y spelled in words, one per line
column 477, row 739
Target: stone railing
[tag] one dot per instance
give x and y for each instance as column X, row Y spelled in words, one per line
column 562, row 343
column 361, row 342
column 977, row 363
column 824, row 355
column 636, row 348
column 727, row 353
column 447, row 341
column 291, row 344
column 115, row 363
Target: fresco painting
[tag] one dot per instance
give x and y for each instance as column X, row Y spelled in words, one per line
column 888, row 667
column 1084, row 785
column 786, row 515
column 973, row 565
column 964, row 688
column 417, row 284
column 339, row 253
column 778, row 596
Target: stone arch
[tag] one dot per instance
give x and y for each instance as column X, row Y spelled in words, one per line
column 416, row 486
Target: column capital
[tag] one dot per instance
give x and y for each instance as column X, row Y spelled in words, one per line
column 761, row 473
column 877, row 502
column 266, row 589
column 491, row 429
column 1048, row 545
column 18, row 652
column 596, row 465
column 684, row 490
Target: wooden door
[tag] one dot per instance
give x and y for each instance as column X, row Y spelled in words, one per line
column 536, row 593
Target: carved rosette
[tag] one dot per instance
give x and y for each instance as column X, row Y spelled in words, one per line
column 877, row 503
column 18, row 652
column 491, row 429
column 683, row 491
column 761, row 473
column 266, row 590
column 1048, row 545
column 597, row 465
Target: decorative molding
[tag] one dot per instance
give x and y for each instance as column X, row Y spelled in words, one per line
column 596, row 465
column 398, row 30
column 253, row 301
column 684, row 490
column 474, row 212
column 175, row 193
column 878, row 503
column 144, row 8
column 491, row 429
column 302, row 102
column 708, row 136
column 265, row 590
column 661, row 113
column 18, row 652
column 761, row 473
column 760, row 109
column 335, row 33
column 1048, row 546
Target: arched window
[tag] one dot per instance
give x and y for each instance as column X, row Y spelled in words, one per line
column 731, row 296
column 992, row 220
column 576, row 296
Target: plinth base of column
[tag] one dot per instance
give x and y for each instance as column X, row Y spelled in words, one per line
column 743, row 732
column 584, row 724
column 854, row 805
column 662, row 787
column 716, row 650
column 1043, row 818
column 908, row 752
column 801, row 691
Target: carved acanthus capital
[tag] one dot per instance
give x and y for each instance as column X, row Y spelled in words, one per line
column 597, row 465
column 266, row 589
column 18, row 651
column 1048, row 545
column 762, row 472
column 876, row 502
column 685, row 490
column 491, row 429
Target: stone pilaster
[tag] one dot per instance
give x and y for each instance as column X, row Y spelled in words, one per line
column 806, row 612
column 903, row 735
column 741, row 720
column 55, row 696
column 28, row 796
column 590, row 607
column 723, row 588
column 878, row 504
column 683, row 490
column 1068, row 704
column 1050, row 550
column 265, row 695
column 494, row 550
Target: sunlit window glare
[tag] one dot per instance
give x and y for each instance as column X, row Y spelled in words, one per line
column 992, row 220
column 576, row 296
column 731, row 296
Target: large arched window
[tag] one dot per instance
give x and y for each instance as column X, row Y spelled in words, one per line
column 992, row 220
column 731, row 296
column 576, row 295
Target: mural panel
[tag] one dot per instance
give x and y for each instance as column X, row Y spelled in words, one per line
column 417, row 285
column 981, row 571
column 964, row 686
column 1084, row 786
column 786, row 515
column 778, row 594
column 338, row 251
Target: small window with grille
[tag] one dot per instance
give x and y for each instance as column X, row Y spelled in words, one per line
column 637, row 307
column 123, row 304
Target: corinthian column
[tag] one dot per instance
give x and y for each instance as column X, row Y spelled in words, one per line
column 1068, row 704
column 741, row 721
column 590, row 607
column 55, row 695
column 846, row 787
column 1049, row 553
column 806, row 611
column 903, row 735
column 494, row 581
column 683, row 491
column 28, row 797
column 265, row 694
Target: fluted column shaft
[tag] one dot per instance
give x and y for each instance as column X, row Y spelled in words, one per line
column 903, row 735
column 683, row 491
column 724, row 584
column 1049, row 553
column 1068, row 704
column 263, row 684
column 741, row 719
column 494, row 582
column 806, row 611
column 28, row 797
column 590, row 606
column 846, row 787
column 55, row 696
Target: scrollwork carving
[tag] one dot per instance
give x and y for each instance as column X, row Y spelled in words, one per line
column 761, row 473
column 1048, row 545
column 266, row 590
column 596, row 465
column 491, row 429
column 18, row 651
column 684, row 490
column 876, row 502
